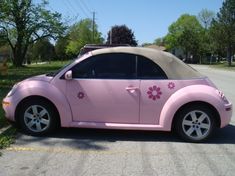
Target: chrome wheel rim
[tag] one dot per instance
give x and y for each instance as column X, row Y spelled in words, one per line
column 37, row 118
column 196, row 124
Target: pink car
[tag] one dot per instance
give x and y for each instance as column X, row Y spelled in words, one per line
column 121, row 88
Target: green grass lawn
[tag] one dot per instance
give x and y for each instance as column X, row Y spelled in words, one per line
column 7, row 138
column 15, row 75
column 224, row 66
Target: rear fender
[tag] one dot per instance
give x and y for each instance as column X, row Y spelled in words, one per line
column 193, row 93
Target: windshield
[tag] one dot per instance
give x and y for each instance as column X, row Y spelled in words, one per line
column 54, row 73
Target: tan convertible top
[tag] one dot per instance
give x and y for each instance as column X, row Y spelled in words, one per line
column 171, row 65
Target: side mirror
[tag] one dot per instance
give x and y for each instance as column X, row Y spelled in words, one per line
column 68, row 75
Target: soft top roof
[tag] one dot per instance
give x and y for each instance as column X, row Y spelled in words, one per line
column 173, row 67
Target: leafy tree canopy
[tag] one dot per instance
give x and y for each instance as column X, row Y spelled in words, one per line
column 205, row 17
column 185, row 34
column 223, row 28
column 159, row 42
column 81, row 34
column 207, row 45
column 23, row 22
column 121, row 35
column 60, row 47
column 43, row 50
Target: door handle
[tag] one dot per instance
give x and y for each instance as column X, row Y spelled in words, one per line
column 131, row 88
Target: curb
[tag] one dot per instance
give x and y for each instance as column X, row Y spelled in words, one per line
column 2, row 130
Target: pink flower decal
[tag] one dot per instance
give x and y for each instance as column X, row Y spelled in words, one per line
column 81, row 95
column 171, row 85
column 154, row 93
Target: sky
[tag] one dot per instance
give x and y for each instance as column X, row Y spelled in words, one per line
column 148, row 19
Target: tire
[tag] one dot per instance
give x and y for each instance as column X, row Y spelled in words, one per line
column 38, row 117
column 195, row 123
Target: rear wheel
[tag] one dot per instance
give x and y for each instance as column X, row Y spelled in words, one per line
column 38, row 117
column 195, row 123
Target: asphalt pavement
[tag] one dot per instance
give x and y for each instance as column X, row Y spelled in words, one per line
column 90, row 152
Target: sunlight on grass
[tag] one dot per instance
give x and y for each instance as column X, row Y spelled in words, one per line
column 17, row 74
column 6, row 82
column 7, row 138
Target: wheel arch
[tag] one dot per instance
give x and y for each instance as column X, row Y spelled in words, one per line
column 201, row 94
column 19, row 106
column 197, row 103
column 47, row 91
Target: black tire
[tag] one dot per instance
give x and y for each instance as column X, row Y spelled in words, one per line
column 190, row 126
column 38, row 117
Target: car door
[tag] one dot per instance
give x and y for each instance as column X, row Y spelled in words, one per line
column 104, row 88
column 154, row 90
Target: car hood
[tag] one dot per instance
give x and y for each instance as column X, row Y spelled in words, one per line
column 40, row 78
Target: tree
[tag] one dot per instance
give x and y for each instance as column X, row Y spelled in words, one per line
column 207, row 46
column 24, row 22
column 121, row 35
column 184, row 34
column 223, row 28
column 60, row 47
column 216, row 36
column 81, row 34
column 2, row 40
column 205, row 17
column 159, row 42
column 5, row 50
column 43, row 50
column 146, row 44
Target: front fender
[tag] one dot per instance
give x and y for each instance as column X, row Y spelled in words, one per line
column 202, row 93
column 47, row 90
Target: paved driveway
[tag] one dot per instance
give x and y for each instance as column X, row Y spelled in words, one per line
column 131, row 153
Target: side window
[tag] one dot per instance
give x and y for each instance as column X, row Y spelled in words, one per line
column 107, row 66
column 84, row 69
column 147, row 69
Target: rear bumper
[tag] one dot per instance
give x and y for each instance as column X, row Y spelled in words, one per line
column 226, row 114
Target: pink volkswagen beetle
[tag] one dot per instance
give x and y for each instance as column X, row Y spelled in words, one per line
column 121, row 88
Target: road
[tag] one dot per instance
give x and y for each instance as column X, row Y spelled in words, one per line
column 89, row 152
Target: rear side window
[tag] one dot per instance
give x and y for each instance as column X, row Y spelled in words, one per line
column 107, row 66
column 147, row 69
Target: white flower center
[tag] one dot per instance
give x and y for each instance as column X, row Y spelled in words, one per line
column 154, row 93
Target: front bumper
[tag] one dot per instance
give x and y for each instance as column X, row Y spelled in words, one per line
column 9, row 108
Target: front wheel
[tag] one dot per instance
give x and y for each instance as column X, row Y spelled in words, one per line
column 195, row 123
column 37, row 117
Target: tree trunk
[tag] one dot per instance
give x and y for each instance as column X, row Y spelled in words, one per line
column 186, row 56
column 18, row 56
column 229, row 55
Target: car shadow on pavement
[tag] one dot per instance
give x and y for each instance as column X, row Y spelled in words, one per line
column 94, row 139
column 223, row 136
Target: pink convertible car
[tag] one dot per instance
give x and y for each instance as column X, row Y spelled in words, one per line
column 121, row 88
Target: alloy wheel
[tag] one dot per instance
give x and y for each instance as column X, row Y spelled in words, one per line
column 196, row 125
column 37, row 118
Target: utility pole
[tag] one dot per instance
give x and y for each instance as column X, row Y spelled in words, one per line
column 110, row 36
column 93, row 27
